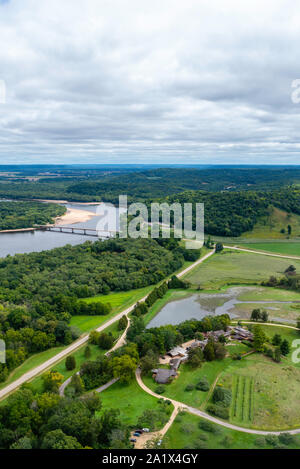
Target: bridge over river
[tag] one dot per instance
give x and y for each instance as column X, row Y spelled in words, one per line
column 77, row 231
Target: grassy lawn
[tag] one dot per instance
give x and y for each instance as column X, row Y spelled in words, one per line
column 121, row 300
column 37, row 383
column 131, row 400
column 176, row 389
column 32, row 362
column 288, row 248
column 237, row 268
column 185, row 433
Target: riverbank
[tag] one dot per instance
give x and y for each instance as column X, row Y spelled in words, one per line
column 74, row 215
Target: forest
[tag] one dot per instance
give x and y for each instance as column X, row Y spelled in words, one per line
column 87, row 184
column 233, row 213
column 14, row 215
column 40, row 291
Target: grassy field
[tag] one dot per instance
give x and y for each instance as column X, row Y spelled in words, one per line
column 176, row 389
column 288, row 248
column 270, row 227
column 37, row 383
column 237, row 268
column 131, row 400
column 266, row 395
column 32, row 362
column 121, row 300
column 185, row 433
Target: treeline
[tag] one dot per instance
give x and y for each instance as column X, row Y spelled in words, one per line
column 15, row 215
column 40, row 292
column 161, row 339
column 48, row 421
column 233, row 213
column 148, row 184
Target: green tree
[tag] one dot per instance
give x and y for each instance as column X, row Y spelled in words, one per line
column 124, row 368
column 87, row 352
column 209, row 351
column 285, row 347
column 219, row 247
column 195, row 357
column 277, row 339
column 149, row 361
column 259, row 339
column 70, row 363
column 255, row 315
column 105, row 341
column 122, row 324
column 277, row 355
column 57, row 439
column 264, row 316
column 52, row 381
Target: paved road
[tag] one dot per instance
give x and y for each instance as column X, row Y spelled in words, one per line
column 263, row 253
column 71, row 348
column 75, row 345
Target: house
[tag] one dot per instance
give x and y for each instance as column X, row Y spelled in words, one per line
column 217, row 334
column 177, row 352
column 175, row 363
column 239, row 333
column 198, row 343
column 163, row 375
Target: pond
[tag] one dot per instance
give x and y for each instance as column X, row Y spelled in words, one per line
column 199, row 305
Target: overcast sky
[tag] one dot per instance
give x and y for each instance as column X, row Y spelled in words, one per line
column 168, row 81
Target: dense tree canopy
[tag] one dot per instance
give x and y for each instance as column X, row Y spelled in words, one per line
column 15, row 215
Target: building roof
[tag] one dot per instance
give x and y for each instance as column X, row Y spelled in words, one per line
column 175, row 363
column 163, row 375
column 177, row 351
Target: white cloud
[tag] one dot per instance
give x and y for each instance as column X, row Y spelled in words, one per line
column 161, row 81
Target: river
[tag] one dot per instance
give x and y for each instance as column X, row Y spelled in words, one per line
column 25, row 242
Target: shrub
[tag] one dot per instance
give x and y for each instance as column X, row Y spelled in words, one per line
column 160, row 389
column 203, row 385
column 189, row 387
column 236, row 356
column 222, row 396
column 186, row 428
column 200, row 444
column 218, row 411
column 206, row 426
column 272, row 440
column 286, row 439
column 260, row 441
column 203, row 437
column 227, row 441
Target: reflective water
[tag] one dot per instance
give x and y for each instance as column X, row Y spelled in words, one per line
column 24, row 242
column 203, row 304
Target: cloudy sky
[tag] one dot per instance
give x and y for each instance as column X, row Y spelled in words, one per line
column 168, row 81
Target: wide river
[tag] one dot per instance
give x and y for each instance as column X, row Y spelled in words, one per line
column 24, row 242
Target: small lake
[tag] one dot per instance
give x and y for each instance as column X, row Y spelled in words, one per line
column 199, row 305
column 25, row 242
